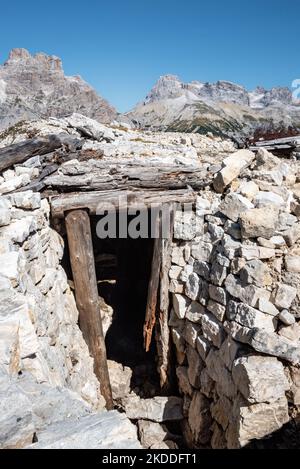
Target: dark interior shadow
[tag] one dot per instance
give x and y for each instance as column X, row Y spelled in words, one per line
column 123, row 268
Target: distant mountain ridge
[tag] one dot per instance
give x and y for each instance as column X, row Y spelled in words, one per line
column 223, row 108
column 35, row 86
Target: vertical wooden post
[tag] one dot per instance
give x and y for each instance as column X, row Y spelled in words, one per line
column 163, row 333
column 150, row 317
column 86, row 292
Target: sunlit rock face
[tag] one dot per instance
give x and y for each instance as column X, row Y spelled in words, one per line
column 224, row 108
column 35, row 86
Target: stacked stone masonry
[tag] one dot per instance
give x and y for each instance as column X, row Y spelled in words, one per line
column 234, row 317
column 235, row 285
column 44, row 360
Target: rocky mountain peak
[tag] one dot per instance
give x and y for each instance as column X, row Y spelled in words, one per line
column 223, row 108
column 35, row 86
column 18, row 54
column 21, row 58
column 167, row 86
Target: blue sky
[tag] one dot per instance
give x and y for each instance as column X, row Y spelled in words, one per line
column 122, row 47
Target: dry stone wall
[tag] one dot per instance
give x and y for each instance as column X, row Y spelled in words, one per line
column 39, row 331
column 235, row 291
column 46, row 372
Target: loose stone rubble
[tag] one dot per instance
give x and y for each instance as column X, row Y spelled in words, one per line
column 234, row 317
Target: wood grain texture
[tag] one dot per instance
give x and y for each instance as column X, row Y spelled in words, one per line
column 150, row 317
column 120, row 199
column 111, row 174
column 19, row 152
column 86, row 292
column 163, row 332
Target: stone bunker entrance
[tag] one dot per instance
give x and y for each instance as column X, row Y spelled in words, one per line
column 121, row 284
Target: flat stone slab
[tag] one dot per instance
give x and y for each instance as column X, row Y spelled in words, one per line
column 157, row 409
column 105, row 430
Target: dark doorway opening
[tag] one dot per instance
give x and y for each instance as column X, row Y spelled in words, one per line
column 123, row 269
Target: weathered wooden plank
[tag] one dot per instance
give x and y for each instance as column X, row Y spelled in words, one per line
column 94, row 180
column 120, row 199
column 86, row 292
column 279, row 141
column 20, row 152
column 283, row 148
column 150, row 317
column 163, row 334
column 107, row 174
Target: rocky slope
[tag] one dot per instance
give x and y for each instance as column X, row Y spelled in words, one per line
column 223, row 108
column 32, row 87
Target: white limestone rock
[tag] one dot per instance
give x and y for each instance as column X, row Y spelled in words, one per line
column 157, row 409
column 255, row 421
column 292, row 263
column 259, row 222
column 250, row 317
column 216, row 309
column 292, row 235
column 265, row 306
column 256, row 272
column 90, row 127
column 249, row 189
column 249, row 294
column 260, row 379
column 284, row 296
column 218, row 294
column 202, row 250
column 187, row 225
column 180, row 345
column 26, row 200
column 19, row 230
column 212, row 329
column 265, row 199
column 152, row 434
column 16, row 419
column 291, row 332
column 120, row 379
column 194, row 312
column 256, row 252
column 275, row 345
column 97, row 431
column 286, row 317
column 180, row 255
column 174, row 272
column 233, row 166
column 15, row 183
column 5, row 216
column 192, row 286
column 180, row 305
column 11, row 266
column 235, row 204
